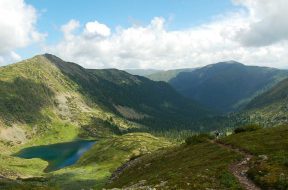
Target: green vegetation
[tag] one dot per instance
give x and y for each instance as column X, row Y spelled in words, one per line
column 138, row 124
column 270, row 147
column 270, row 108
column 120, row 149
column 202, row 164
column 197, row 139
column 91, row 171
column 45, row 100
column 199, row 166
column 225, row 86
column 276, row 94
column 22, row 100
column 247, row 128
column 154, row 104
column 135, row 98
column 99, row 128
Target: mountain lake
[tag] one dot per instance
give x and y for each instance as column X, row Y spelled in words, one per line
column 57, row 155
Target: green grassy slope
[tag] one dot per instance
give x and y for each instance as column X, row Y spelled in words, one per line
column 276, row 94
column 269, row 108
column 133, row 97
column 95, row 166
column 35, row 94
column 46, row 89
column 147, row 102
column 203, row 165
column 122, row 148
column 39, row 105
column 92, row 170
column 269, row 168
column 200, row 166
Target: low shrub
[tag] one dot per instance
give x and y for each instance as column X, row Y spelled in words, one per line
column 228, row 180
column 247, row 128
column 268, row 176
column 199, row 138
column 286, row 162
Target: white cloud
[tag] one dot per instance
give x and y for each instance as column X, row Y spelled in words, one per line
column 68, row 28
column 17, row 28
column 95, row 28
column 234, row 36
column 268, row 22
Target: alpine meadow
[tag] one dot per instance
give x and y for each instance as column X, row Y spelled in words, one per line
column 146, row 95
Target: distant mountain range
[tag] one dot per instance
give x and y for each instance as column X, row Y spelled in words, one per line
column 167, row 75
column 137, row 122
column 223, row 87
column 142, row 72
column 46, row 88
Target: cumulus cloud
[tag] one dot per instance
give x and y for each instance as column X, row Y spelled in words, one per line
column 17, row 28
column 268, row 22
column 234, row 36
column 68, row 29
column 95, row 28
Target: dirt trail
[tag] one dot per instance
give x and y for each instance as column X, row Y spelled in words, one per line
column 240, row 168
column 122, row 168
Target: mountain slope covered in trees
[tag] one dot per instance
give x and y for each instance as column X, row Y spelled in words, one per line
column 132, row 97
column 46, row 89
column 269, row 108
column 225, row 86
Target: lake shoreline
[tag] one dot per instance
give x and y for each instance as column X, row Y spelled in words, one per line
column 59, row 155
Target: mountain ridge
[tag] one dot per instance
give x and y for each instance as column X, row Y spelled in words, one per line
column 45, row 100
column 77, row 92
column 225, row 86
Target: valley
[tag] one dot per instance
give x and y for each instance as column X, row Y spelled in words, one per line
column 66, row 127
column 144, row 95
column 224, row 87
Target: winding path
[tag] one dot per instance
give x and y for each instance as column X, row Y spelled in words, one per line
column 240, row 168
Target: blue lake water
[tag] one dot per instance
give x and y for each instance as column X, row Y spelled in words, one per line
column 57, row 155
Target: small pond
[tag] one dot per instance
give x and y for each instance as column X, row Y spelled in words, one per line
column 57, row 155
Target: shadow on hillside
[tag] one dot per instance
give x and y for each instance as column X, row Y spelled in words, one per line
column 70, row 181
column 88, row 84
column 22, row 100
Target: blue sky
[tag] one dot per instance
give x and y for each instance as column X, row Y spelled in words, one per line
column 159, row 34
column 181, row 13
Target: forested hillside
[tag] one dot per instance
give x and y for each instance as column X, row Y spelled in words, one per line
column 269, row 108
column 225, row 86
column 45, row 89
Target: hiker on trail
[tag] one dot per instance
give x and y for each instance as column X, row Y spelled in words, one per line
column 217, row 134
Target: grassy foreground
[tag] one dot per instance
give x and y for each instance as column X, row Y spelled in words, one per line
column 200, row 166
column 269, row 168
